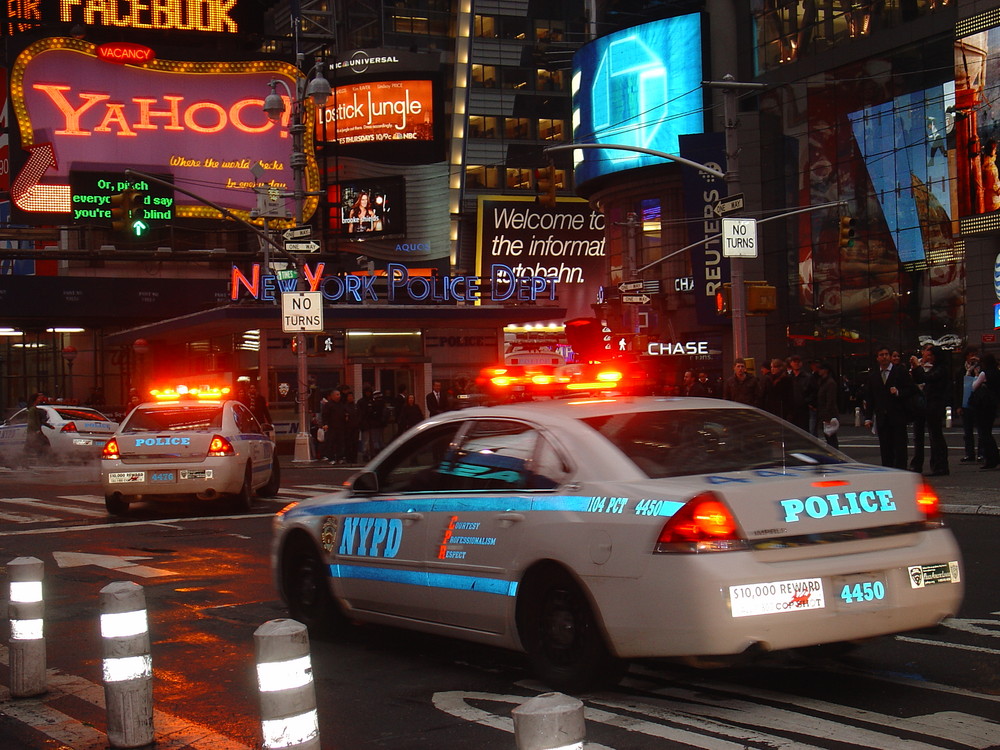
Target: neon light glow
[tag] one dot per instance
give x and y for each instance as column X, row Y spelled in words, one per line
column 198, row 121
column 180, row 15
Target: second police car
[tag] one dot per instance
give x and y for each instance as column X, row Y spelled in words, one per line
column 587, row 533
column 189, row 443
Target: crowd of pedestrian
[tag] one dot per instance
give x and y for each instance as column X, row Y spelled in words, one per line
column 349, row 431
column 904, row 401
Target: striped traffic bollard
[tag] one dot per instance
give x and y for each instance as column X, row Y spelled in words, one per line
column 550, row 721
column 27, row 638
column 284, row 678
column 128, row 667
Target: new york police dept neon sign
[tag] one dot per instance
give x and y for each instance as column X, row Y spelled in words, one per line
column 505, row 285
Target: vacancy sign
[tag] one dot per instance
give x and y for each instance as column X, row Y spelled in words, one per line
column 302, row 312
column 739, row 238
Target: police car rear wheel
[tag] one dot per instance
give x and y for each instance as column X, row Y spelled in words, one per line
column 116, row 505
column 307, row 592
column 243, row 500
column 564, row 643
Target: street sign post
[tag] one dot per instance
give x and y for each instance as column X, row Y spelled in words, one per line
column 729, row 205
column 302, row 312
column 642, row 299
column 302, row 247
column 739, row 238
column 297, row 233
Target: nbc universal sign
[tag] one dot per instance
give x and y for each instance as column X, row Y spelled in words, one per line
column 200, row 122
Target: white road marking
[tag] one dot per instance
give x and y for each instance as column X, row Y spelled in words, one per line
column 959, row 646
column 50, row 506
column 93, row 499
column 111, row 562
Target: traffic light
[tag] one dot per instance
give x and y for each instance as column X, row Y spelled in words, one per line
column 761, row 299
column 846, row 231
column 126, row 213
column 723, row 300
column 545, row 180
column 586, row 337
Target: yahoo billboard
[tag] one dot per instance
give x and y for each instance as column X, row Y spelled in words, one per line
column 202, row 122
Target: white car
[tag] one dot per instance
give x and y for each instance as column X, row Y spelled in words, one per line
column 587, row 533
column 187, row 445
column 75, row 433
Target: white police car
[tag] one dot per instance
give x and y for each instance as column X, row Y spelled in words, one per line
column 75, row 433
column 189, row 442
column 587, row 533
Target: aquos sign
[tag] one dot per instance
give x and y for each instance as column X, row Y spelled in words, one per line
column 201, row 122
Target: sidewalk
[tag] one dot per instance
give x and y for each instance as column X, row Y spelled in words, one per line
column 966, row 490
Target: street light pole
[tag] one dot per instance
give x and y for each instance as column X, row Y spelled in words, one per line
column 319, row 91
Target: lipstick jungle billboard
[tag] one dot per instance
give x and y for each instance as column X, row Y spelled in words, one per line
column 200, row 122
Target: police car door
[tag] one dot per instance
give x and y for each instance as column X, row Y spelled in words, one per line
column 501, row 471
column 380, row 543
column 255, row 442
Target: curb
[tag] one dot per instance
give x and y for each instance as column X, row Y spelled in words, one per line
column 971, row 510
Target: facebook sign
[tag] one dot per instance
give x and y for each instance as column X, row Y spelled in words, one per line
column 637, row 87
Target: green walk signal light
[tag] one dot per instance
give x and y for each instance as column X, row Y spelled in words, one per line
column 847, row 224
column 126, row 213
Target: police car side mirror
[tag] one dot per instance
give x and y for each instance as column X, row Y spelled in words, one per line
column 364, row 483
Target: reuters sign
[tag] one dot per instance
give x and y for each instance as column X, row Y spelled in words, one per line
column 201, row 122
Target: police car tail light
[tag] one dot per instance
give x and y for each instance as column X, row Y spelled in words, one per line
column 69, row 427
column 220, row 447
column 542, row 379
column 703, row 524
column 609, row 376
column 928, row 502
column 110, row 450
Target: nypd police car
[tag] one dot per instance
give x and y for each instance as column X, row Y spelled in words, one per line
column 189, row 443
column 590, row 532
column 75, row 433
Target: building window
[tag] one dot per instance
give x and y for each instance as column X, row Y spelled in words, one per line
column 519, row 179
column 410, row 24
column 482, row 127
column 512, row 27
column 551, row 130
column 478, row 177
column 485, row 26
column 516, row 78
column 550, row 80
column 549, row 31
column 484, row 76
column 516, row 128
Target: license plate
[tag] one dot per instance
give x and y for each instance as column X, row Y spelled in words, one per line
column 776, row 597
column 922, row 576
column 124, row 477
column 859, row 590
column 162, row 476
column 82, row 441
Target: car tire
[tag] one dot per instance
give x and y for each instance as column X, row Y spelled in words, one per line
column 306, row 588
column 270, row 489
column 564, row 643
column 243, row 500
column 116, row 505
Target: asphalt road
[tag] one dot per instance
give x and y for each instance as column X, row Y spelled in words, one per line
column 208, row 587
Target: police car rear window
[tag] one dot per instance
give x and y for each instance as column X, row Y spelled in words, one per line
column 175, row 418
column 710, row 441
column 82, row 414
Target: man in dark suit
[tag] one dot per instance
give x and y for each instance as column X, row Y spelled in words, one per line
column 887, row 389
column 437, row 401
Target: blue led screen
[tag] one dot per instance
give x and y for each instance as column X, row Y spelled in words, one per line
column 638, row 87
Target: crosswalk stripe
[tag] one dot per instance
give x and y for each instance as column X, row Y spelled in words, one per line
column 49, row 505
column 93, row 499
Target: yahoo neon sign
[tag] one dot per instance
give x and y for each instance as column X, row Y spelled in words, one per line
column 198, row 121
column 504, row 286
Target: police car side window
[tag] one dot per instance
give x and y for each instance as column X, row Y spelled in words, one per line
column 549, row 469
column 245, row 420
column 414, row 466
column 20, row 418
column 495, row 454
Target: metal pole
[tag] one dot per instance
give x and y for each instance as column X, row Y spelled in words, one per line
column 738, row 297
column 303, row 443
